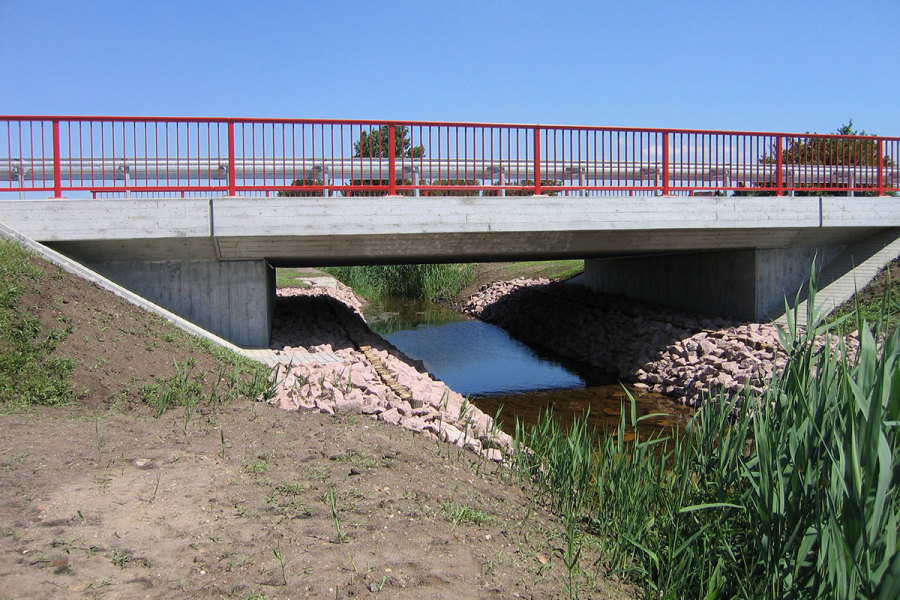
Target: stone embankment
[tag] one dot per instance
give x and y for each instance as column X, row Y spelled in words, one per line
column 662, row 350
column 373, row 379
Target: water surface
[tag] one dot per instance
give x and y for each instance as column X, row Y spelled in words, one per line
column 498, row 372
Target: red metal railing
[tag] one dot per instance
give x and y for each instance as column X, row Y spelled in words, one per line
column 107, row 156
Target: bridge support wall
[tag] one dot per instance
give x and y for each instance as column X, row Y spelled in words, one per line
column 233, row 299
column 744, row 284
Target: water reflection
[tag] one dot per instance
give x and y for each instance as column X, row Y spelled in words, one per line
column 602, row 404
column 470, row 356
column 391, row 314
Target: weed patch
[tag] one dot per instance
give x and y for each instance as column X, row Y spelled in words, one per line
column 460, row 513
column 285, row 500
column 260, row 464
column 178, row 389
column 29, row 372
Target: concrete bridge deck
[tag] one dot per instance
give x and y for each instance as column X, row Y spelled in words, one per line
column 300, row 231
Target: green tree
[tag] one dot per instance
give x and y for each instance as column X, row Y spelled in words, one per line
column 861, row 150
column 375, row 144
column 856, row 151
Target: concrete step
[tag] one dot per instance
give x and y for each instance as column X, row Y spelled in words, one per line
column 272, row 357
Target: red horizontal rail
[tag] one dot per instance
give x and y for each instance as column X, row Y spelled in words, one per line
column 106, row 155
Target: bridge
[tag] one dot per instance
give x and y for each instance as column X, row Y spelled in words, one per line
column 194, row 213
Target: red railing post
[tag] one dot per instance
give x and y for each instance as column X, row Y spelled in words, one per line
column 880, row 175
column 779, row 186
column 392, row 160
column 232, row 165
column 537, row 160
column 665, row 165
column 57, row 162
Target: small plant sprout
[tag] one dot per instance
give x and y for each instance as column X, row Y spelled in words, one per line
column 99, row 439
column 155, row 489
column 495, row 423
column 463, row 410
column 280, row 559
column 332, row 501
column 120, row 558
column 349, row 385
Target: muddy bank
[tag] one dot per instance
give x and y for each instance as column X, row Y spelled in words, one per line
column 373, row 379
column 679, row 354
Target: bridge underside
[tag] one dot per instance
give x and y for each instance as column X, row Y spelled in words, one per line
column 210, row 259
column 406, row 248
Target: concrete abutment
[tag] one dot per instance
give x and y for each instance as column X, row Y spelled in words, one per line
column 233, row 299
column 748, row 284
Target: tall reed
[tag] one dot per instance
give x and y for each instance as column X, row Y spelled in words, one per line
column 431, row 281
column 794, row 493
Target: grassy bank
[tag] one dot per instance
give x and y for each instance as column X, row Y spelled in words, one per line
column 794, row 494
column 880, row 297
column 30, row 372
column 61, row 342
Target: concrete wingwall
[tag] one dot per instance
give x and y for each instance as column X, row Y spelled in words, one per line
column 744, row 284
column 233, row 299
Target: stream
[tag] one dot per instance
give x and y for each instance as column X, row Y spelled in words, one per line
column 498, row 372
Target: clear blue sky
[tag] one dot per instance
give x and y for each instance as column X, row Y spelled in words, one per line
column 724, row 64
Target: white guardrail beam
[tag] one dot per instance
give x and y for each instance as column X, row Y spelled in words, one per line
column 427, row 171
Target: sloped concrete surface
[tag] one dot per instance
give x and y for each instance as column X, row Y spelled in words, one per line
column 850, row 271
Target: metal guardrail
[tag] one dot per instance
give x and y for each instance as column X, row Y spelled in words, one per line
column 105, row 155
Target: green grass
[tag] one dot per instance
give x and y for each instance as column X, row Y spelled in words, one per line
column 259, row 465
column 549, row 269
column 238, row 376
column 428, row 281
column 880, row 297
column 792, row 494
column 289, row 277
column 30, row 374
column 178, row 389
column 461, row 513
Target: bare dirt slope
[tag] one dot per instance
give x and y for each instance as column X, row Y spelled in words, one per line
column 236, row 499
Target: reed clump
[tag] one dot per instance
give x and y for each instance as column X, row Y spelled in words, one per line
column 793, row 493
column 428, row 281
